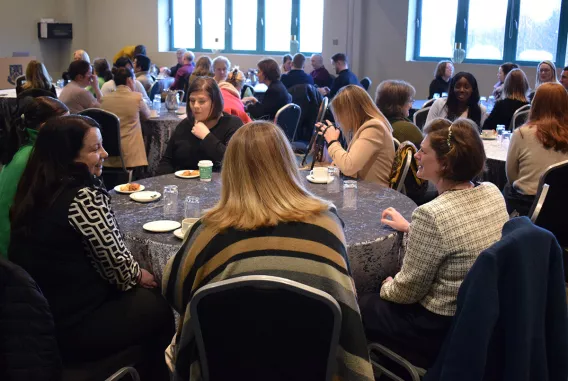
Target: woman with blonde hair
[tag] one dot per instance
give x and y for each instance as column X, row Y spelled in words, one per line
column 81, row 55
column 513, row 97
column 37, row 77
column 231, row 92
column 545, row 72
column 370, row 150
column 268, row 223
column 203, row 68
column 541, row 142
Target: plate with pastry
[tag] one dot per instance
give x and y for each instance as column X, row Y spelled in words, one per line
column 187, row 173
column 129, row 188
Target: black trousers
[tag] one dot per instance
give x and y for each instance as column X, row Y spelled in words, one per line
column 517, row 201
column 136, row 318
column 408, row 329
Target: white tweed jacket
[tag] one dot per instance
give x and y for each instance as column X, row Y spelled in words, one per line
column 446, row 236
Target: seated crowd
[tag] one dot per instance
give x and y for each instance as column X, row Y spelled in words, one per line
column 58, row 224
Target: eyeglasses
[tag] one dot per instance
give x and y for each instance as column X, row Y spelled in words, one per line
column 411, row 101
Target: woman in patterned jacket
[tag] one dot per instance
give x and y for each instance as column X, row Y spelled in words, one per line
column 413, row 310
column 65, row 235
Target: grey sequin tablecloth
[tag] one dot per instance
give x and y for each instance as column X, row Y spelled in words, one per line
column 495, row 165
column 157, row 132
column 373, row 248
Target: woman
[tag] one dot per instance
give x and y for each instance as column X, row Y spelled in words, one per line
column 514, row 96
column 103, row 73
column 22, row 138
column 81, row 55
column 545, row 72
column 130, row 108
column 413, row 311
column 221, row 67
column 251, row 226
column 394, row 98
column 370, row 153
column 541, row 142
column 204, row 134
column 74, row 95
column 275, row 97
column 231, row 92
column 286, row 64
column 110, row 86
column 203, row 68
column 501, row 75
column 65, row 235
column 441, row 83
column 37, row 77
column 462, row 101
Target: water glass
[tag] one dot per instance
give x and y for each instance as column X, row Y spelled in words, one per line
column 506, row 139
column 334, row 186
column 157, row 104
column 191, row 207
column 350, row 194
column 170, row 201
column 444, row 95
column 500, row 130
column 60, row 83
column 436, row 96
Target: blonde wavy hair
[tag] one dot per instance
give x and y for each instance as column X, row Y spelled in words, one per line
column 37, row 76
column 261, row 183
column 352, row 107
column 236, row 78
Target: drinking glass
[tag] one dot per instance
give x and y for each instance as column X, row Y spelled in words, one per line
column 191, row 207
column 506, row 139
column 436, row 96
column 170, row 201
column 334, row 185
column 350, row 194
column 60, row 83
column 500, row 130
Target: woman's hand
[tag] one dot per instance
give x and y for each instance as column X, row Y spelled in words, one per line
column 147, row 280
column 386, row 280
column 328, row 130
column 200, row 130
column 249, row 100
column 395, row 220
column 94, row 81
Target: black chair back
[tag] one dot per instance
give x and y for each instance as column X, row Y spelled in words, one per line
column 309, row 99
column 320, row 118
column 34, row 93
column 366, row 83
column 519, row 118
column 429, row 103
column 20, row 81
column 550, row 206
column 265, row 328
column 420, row 117
column 156, row 89
column 288, row 118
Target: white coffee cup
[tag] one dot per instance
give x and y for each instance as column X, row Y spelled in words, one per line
column 320, row 173
column 187, row 223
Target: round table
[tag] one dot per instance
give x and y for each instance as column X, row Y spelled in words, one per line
column 373, row 249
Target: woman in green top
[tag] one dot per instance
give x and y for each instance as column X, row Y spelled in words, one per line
column 102, row 70
column 394, row 98
column 36, row 111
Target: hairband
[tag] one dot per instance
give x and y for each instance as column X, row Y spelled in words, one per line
column 449, row 137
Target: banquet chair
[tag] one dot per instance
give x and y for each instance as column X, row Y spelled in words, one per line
column 20, row 80
column 110, row 131
column 366, row 83
column 519, row 118
column 376, row 351
column 287, row 118
column 156, row 89
column 244, row 90
column 429, row 103
column 321, row 115
column 420, row 116
column 260, row 327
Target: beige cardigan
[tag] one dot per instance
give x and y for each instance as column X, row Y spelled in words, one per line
column 370, row 154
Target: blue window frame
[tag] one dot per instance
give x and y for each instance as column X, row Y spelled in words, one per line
column 246, row 26
column 492, row 31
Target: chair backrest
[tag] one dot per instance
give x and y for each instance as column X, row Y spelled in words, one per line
column 322, row 110
column 519, row 118
column 263, row 327
column 428, row 103
column 320, row 118
column 549, row 209
column 396, row 143
column 420, row 117
column 244, row 90
column 288, row 118
column 110, row 129
column 156, row 89
column 34, row 93
column 403, row 176
column 20, row 80
column 366, row 83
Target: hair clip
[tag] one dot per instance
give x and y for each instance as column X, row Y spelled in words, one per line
column 23, row 117
column 449, row 137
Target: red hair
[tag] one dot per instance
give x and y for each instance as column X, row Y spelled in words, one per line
column 549, row 115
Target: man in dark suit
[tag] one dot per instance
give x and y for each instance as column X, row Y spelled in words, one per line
column 345, row 76
column 297, row 76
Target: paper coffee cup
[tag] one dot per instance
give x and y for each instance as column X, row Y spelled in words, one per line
column 205, row 170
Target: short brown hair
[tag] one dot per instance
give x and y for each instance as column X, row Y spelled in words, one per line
column 270, row 68
column 458, row 147
column 208, row 85
column 298, row 61
column 392, row 96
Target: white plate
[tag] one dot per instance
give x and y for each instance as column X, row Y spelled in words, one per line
column 488, row 137
column 161, row 226
column 311, row 179
column 117, row 189
column 146, row 196
column 179, row 174
column 179, row 234
column 180, row 111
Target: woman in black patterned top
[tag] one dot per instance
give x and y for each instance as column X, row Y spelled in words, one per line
column 65, row 235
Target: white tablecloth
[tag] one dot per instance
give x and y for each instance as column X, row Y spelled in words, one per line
column 11, row 93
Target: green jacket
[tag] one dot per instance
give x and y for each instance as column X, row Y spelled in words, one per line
column 404, row 129
column 9, row 179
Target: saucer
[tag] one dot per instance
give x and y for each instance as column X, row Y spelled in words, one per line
column 312, row 179
column 161, row 226
column 146, row 196
column 179, row 234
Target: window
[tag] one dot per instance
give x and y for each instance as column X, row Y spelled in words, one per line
column 493, row 31
column 246, row 26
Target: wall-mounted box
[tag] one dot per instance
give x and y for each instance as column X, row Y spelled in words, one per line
column 54, row 31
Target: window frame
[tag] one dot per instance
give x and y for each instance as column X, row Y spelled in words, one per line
column 511, row 35
column 260, row 35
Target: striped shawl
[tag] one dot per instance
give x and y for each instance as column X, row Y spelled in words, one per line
column 313, row 253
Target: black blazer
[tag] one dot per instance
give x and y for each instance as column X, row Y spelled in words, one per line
column 502, row 113
column 275, row 98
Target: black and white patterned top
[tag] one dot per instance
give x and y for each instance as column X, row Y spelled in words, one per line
column 446, row 236
column 90, row 215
